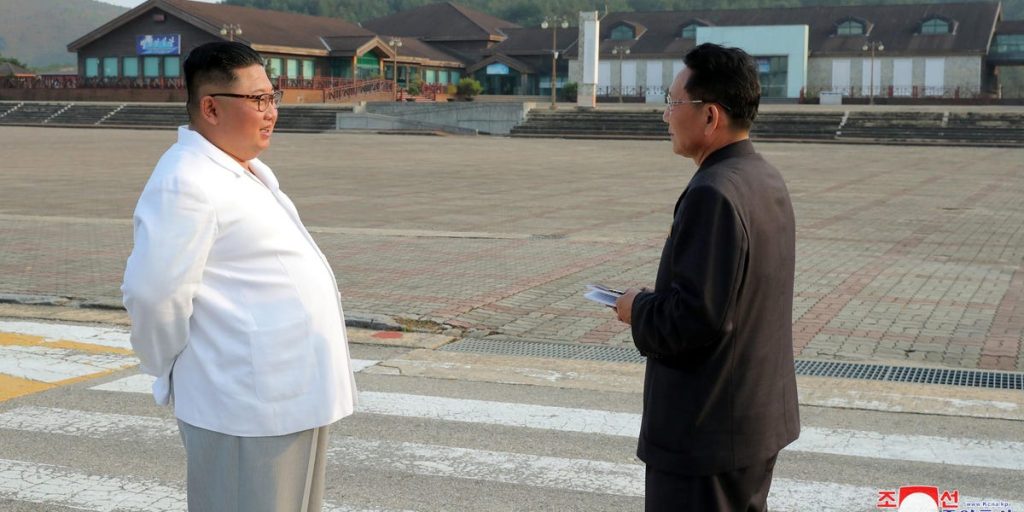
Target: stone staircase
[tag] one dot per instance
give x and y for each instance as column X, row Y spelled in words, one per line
column 970, row 128
column 142, row 115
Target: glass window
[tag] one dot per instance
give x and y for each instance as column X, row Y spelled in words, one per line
column 151, row 67
column 307, row 68
column 935, row 26
column 275, row 67
column 172, row 66
column 92, row 67
column 850, row 28
column 773, row 73
column 293, row 68
column 1010, row 43
column 431, row 77
column 442, row 77
column 110, row 67
column 455, row 76
column 130, row 66
column 690, row 31
column 622, row 32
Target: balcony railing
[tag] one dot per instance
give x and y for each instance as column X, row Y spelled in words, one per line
column 343, row 92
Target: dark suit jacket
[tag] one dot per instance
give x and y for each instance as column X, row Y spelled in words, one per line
column 720, row 387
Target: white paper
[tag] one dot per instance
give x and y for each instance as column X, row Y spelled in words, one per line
column 602, row 295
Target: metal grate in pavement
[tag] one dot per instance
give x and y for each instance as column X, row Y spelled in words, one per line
column 545, row 349
column 888, row 373
column 860, row 371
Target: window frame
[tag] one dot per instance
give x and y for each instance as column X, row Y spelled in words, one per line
column 840, row 31
column 935, row 22
column 615, row 33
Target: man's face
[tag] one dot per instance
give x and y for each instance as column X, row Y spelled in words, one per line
column 242, row 130
column 686, row 121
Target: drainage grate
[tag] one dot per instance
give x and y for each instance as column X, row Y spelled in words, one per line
column 948, row 377
column 836, row 369
column 546, row 349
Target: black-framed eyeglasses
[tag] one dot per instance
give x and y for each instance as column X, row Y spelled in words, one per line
column 669, row 102
column 263, row 101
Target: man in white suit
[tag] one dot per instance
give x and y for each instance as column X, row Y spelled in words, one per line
column 234, row 308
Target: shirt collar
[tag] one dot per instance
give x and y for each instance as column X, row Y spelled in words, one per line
column 739, row 148
column 192, row 139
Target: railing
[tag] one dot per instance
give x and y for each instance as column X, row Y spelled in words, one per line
column 318, row 82
column 76, row 82
column 358, row 88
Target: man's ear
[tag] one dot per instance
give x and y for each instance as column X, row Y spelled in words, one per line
column 208, row 110
column 714, row 118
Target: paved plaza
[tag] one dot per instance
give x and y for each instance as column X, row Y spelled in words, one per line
column 905, row 254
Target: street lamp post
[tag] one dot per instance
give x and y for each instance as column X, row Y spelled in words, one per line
column 554, row 22
column 395, row 43
column 621, row 51
column 230, row 30
column 873, row 46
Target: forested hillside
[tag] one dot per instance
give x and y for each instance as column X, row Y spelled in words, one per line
column 531, row 12
column 37, row 32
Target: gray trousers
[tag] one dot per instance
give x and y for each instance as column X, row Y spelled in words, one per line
column 255, row 474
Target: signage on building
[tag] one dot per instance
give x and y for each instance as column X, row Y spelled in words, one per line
column 497, row 69
column 159, row 44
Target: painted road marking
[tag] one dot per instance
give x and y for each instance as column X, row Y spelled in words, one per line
column 856, row 443
column 57, row 364
column 439, row 461
column 106, row 336
column 58, row 485
column 143, row 383
column 36, row 356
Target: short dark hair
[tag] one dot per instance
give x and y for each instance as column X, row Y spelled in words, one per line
column 727, row 76
column 215, row 63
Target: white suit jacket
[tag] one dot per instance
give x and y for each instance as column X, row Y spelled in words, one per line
column 234, row 308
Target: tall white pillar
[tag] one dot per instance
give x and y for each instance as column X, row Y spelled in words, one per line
column 586, row 92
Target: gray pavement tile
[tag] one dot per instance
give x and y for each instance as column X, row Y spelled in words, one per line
column 904, row 253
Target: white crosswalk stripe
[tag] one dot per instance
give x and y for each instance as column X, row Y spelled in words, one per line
column 377, row 451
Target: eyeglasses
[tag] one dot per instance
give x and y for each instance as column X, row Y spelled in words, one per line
column 669, row 102
column 262, row 100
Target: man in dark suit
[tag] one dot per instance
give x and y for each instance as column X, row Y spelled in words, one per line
column 720, row 397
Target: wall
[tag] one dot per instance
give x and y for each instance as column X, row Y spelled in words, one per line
column 764, row 41
column 493, row 118
column 963, row 72
column 121, row 41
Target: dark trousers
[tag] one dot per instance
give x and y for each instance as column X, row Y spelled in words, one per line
column 741, row 490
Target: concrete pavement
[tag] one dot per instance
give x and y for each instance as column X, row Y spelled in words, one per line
column 908, row 254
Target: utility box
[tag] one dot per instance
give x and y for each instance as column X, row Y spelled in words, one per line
column 830, row 98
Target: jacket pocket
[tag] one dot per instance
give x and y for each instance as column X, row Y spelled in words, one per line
column 282, row 360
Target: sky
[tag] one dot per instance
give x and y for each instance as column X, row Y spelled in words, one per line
column 133, row 3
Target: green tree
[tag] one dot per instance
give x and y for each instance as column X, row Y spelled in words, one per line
column 12, row 60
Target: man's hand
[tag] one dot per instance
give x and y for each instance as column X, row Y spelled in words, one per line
column 624, row 305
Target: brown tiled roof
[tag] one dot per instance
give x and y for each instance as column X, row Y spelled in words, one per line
column 894, row 25
column 259, row 27
column 445, row 21
column 534, row 41
column 352, row 45
column 511, row 62
column 414, row 50
column 1010, row 27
